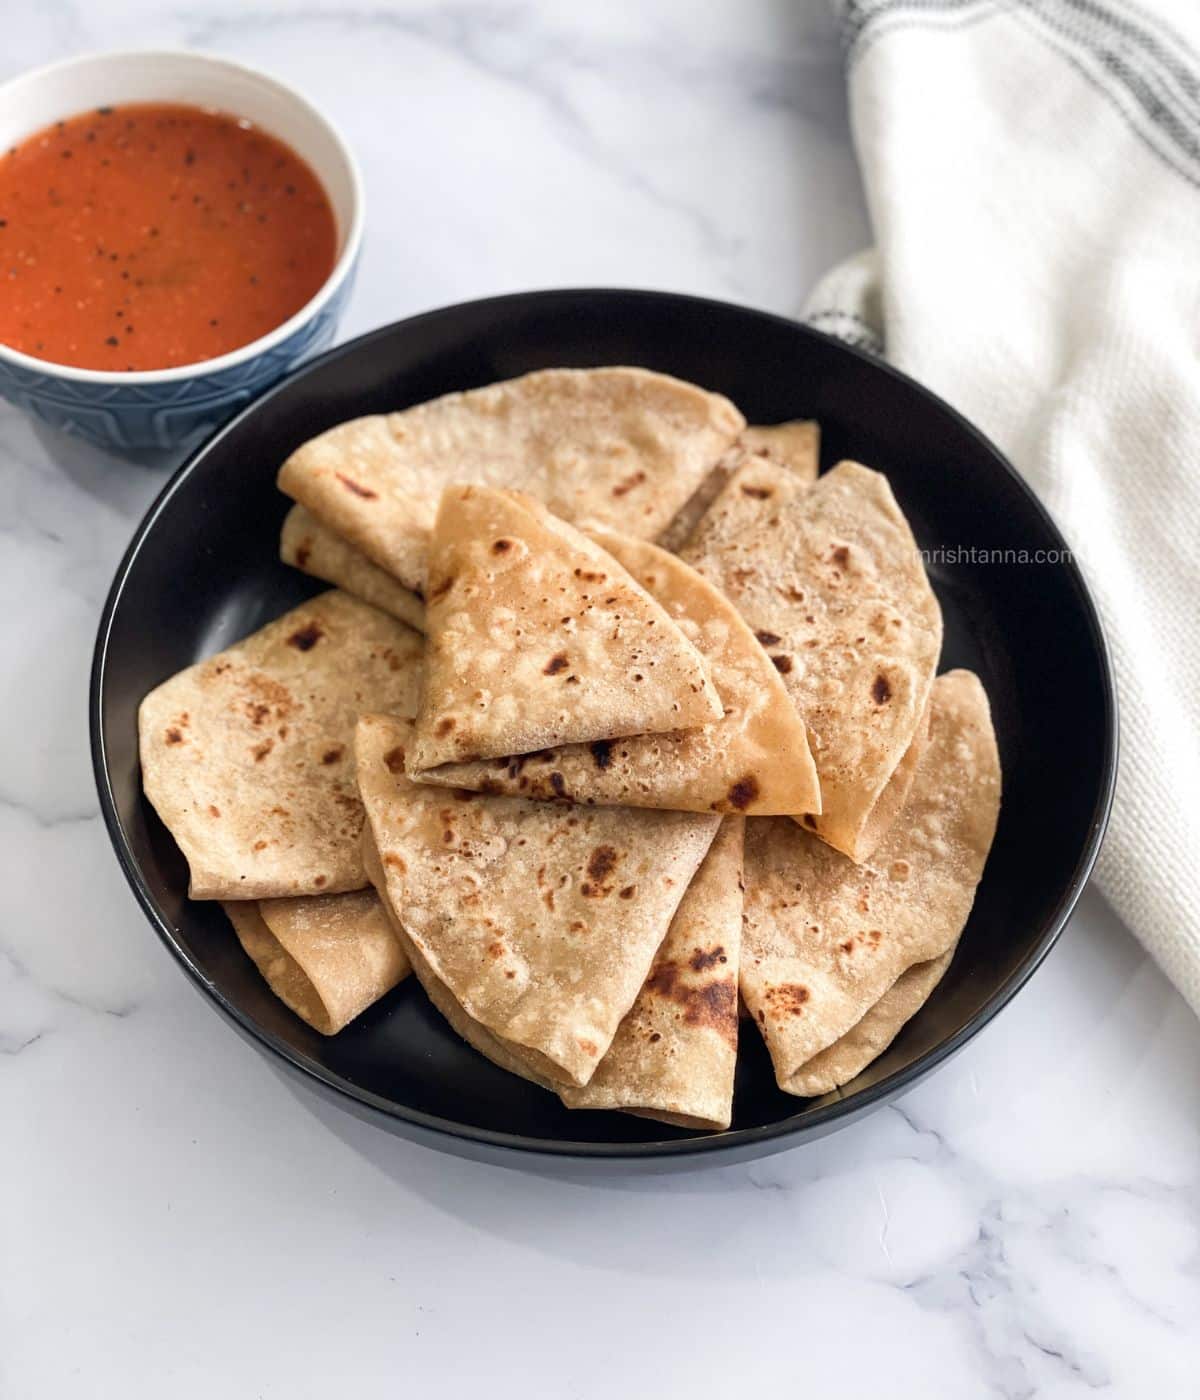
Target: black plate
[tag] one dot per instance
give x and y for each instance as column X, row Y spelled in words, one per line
column 202, row 571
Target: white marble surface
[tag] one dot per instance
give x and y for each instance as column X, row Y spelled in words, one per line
column 175, row 1221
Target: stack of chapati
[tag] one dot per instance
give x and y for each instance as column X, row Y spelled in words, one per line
column 616, row 781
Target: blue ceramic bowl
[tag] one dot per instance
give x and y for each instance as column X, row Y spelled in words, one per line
column 169, row 408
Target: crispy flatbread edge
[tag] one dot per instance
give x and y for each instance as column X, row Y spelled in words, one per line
column 286, row 978
column 878, row 818
column 863, row 1044
column 308, row 544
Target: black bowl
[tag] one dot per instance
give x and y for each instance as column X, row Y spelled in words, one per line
column 202, row 571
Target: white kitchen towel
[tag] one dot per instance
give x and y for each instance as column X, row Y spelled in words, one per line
column 1032, row 170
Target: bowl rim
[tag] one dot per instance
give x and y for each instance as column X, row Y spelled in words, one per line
column 241, row 354
column 812, row 1122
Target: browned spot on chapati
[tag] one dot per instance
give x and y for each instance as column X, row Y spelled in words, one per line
column 213, row 811
column 396, row 862
column 357, row 487
column 332, row 755
column 306, row 637
column 558, row 662
column 769, row 639
column 558, row 784
column 711, row 1004
column 444, row 726
column 881, row 690
column 173, row 736
column 589, row 1047
column 782, row 663
column 743, row 792
column 260, row 846
column 759, row 493
column 393, row 760
column 601, row 863
column 303, row 550
column 590, row 575
column 702, row 959
column 602, row 753
column 501, row 546
column 496, row 949
column 623, row 487
column 260, row 751
column 786, row 999
column 517, row 763
column 629, row 891
column 840, row 556
column 265, row 694
column 321, row 880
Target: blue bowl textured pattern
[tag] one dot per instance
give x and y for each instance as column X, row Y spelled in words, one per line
column 135, row 417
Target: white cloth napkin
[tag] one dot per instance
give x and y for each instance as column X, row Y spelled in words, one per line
column 1032, row 170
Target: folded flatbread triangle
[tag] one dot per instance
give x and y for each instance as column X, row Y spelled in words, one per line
column 538, row 637
column 865, row 1041
column 540, row 921
column 308, row 545
column 824, row 939
column 674, row 1055
column 248, row 757
column 619, row 446
column 830, row 579
column 755, row 759
column 327, row 957
column 515, row 1059
column 796, row 446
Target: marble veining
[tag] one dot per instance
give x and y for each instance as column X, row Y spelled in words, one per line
column 176, row 1219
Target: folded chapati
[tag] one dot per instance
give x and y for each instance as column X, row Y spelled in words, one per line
column 248, row 759
column 308, row 545
column 673, row 1056
column 795, row 445
column 538, row 637
column 327, row 957
column 830, row 579
column 755, row 759
column 540, row 921
column 823, row 938
column 867, row 1040
column 618, row 446
column 513, row 1058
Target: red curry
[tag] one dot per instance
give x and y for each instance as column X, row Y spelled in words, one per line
column 152, row 235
